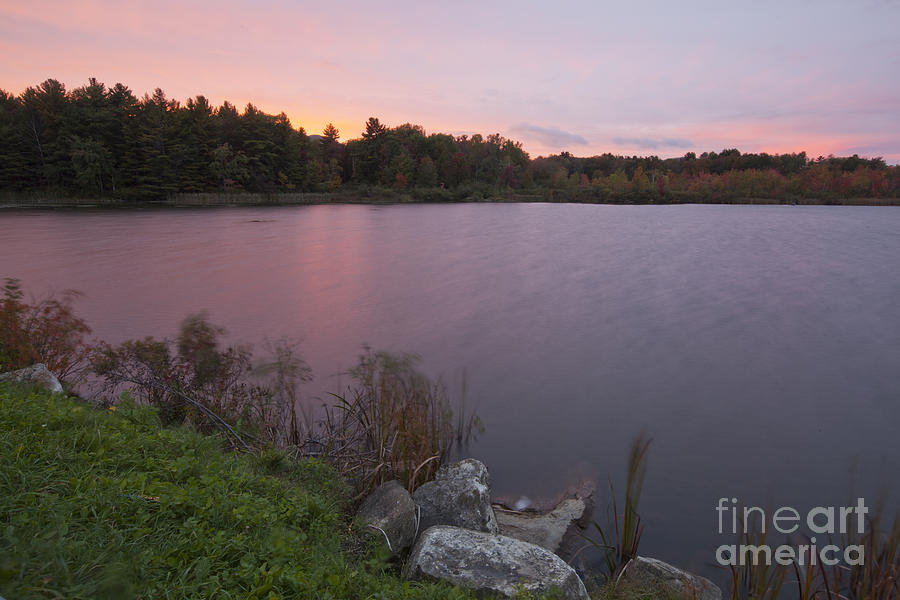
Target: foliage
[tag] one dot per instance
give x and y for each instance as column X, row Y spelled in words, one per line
column 100, row 141
column 193, row 379
column 41, row 331
column 620, row 540
column 227, row 166
column 392, row 423
column 108, row 504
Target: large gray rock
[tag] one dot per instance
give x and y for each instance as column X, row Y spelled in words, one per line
column 390, row 510
column 656, row 573
column 558, row 530
column 468, row 468
column 460, row 495
column 489, row 563
column 37, row 374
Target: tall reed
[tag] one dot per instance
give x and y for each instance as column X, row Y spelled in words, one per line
column 755, row 580
column 621, row 538
column 877, row 578
column 393, row 422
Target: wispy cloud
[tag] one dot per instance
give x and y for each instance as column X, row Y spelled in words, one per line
column 652, row 143
column 548, row 136
column 888, row 150
column 749, row 82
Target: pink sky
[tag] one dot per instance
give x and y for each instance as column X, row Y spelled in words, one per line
column 587, row 77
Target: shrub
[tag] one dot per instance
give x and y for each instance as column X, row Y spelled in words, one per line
column 392, row 423
column 44, row 331
column 192, row 379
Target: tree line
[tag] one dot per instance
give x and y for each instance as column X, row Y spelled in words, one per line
column 104, row 141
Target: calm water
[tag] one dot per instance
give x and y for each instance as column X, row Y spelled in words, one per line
column 758, row 346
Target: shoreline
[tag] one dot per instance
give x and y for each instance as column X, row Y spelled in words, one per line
column 368, row 197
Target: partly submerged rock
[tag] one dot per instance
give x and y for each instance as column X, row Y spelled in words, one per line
column 488, row 563
column 390, row 510
column 656, row 573
column 460, row 495
column 37, row 374
column 559, row 530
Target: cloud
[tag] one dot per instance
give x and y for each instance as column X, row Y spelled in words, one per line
column 549, row 136
column 889, row 151
column 653, row 143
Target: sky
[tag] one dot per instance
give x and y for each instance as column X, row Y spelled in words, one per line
column 661, row 78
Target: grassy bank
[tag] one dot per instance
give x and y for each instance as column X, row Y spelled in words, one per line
column 110, row 504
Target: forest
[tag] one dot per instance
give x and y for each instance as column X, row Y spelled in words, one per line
column 96, row 141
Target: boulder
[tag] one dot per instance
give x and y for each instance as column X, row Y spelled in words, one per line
column 37, row 374
column 390, row 510
column 559, row 530
column 469, row 468
column 460, row 495
column 656, row 573
column 488, row 563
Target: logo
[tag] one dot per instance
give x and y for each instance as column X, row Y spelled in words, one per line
column 819, row 521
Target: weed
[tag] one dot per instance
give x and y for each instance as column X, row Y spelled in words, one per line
column 755, row 579
column 392, row 423
column 878, row 578
column 620, row 540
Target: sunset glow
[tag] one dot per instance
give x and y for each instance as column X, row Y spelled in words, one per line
column 581, row 77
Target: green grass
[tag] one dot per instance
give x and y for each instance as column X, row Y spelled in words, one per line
column 110, row 504
column 627, row 590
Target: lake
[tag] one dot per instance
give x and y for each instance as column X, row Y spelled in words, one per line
column 759, row 346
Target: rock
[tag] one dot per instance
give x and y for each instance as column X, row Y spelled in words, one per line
column 469, row 468
column 488, row 563
column 522, row 503
column 37, row 374
column 460, row 495
column 656, row 573
column 558, row 530
column 391, row 510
